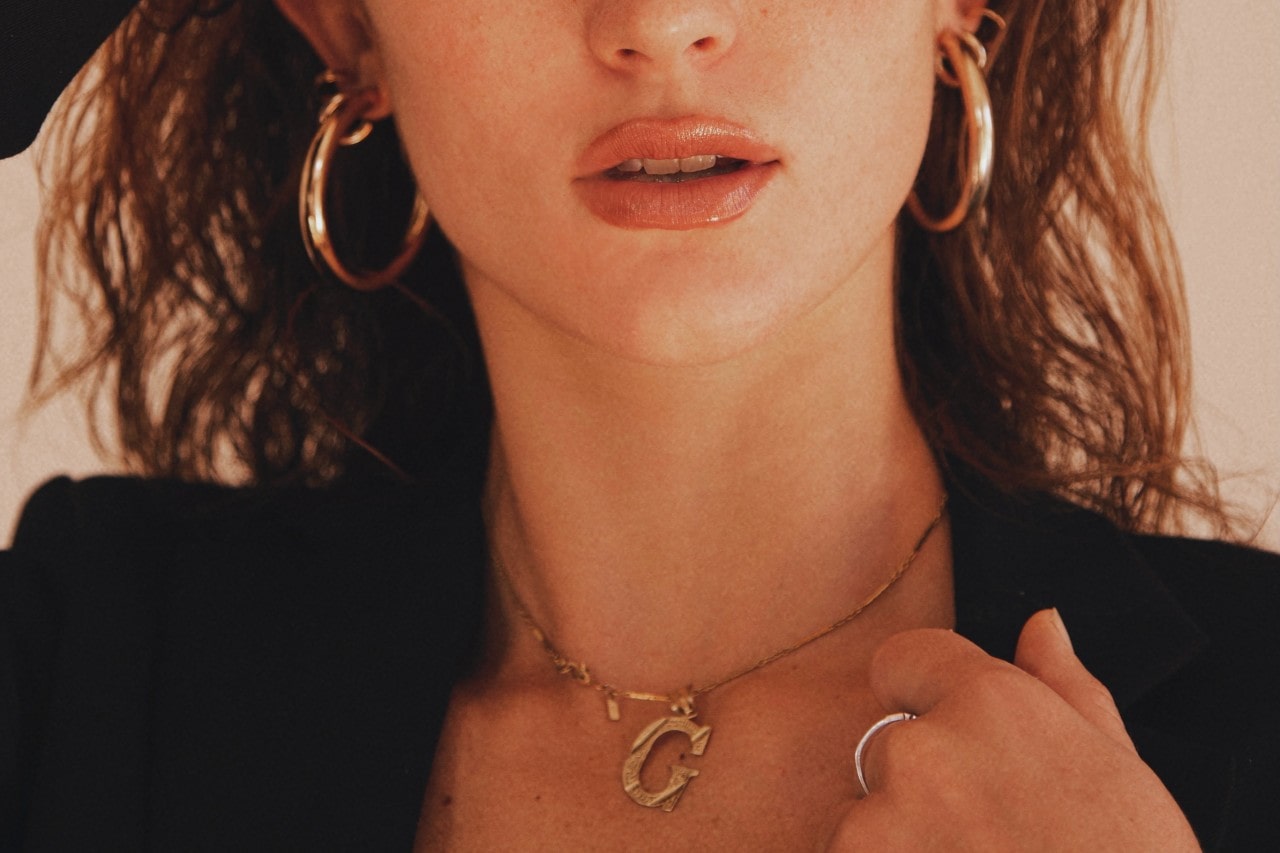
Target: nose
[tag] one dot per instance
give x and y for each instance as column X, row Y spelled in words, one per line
column 639, row 36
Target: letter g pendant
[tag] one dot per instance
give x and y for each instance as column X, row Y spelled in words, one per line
column 668, row 797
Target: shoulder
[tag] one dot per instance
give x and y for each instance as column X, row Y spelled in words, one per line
column 133, row 511
column 1231, row 589
column 1210, row 729
column 1231, row 593
column 125, row 547
column 204, row 661
column 129, row 519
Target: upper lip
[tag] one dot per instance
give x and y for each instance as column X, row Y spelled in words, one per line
column 672, row 138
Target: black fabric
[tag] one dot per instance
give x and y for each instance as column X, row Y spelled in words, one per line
column 191, row 667
column 43, row 44
column 1183, row 632
column 188, row 668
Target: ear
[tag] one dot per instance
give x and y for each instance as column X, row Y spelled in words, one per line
column 960, row 15
column 341, row 36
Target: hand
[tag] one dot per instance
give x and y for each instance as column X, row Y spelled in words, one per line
column 1031, row 756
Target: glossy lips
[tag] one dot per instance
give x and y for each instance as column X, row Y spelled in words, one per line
column 692, row 202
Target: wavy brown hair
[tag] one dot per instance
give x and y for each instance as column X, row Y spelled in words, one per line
column 1043, row 343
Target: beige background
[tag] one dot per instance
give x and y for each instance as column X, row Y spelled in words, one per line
column 1219, row 164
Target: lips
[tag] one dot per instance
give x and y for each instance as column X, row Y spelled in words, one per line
column 674, row 173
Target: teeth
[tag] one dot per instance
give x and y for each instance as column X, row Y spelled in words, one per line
column 697, row 163
column 661, row 167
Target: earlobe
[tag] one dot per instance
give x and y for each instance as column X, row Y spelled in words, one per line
column 341, row 36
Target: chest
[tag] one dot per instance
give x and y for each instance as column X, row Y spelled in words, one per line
column 774, row 772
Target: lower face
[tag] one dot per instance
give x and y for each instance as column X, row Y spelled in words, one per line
column 502, row 107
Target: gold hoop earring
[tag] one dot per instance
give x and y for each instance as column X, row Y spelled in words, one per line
column 343, row 124
column 968, row 59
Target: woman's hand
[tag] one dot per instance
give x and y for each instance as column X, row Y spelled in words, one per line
column 1003, row 757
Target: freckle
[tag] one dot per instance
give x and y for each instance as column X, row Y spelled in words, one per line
column 446, row 800
column 537, row 798
column 682, row 756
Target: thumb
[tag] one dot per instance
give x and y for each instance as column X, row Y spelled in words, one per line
column 1044, row 650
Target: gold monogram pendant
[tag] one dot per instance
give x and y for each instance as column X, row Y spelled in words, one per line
column 668, row 797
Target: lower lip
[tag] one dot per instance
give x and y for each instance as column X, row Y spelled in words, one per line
column 676, row 206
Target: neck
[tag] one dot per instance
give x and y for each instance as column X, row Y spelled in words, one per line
column 663, row 524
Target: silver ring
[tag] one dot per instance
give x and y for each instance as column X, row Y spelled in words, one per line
column 900, row 717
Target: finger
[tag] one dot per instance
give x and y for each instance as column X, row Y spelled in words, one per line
column 1044, row 650
column 914, row 670
column 872, row 825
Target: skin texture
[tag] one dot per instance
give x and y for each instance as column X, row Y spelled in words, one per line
column 702, row 449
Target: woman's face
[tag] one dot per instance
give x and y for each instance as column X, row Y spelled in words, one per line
column 514, row 114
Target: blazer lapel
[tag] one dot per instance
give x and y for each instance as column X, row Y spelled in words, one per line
column 310, row 652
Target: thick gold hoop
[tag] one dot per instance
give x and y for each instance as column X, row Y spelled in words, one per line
column 968, row 60
column 343, row 124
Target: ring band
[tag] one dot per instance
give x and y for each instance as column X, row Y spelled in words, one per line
column 900, row 717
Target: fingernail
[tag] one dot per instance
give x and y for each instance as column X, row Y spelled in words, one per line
column 1062, row 627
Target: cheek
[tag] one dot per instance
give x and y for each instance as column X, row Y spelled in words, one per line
column 473, row 94
column 872, row 101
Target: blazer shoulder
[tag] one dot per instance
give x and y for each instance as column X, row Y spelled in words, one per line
column 1192, row 554
column 1209, row 731
column 106, row 541
column 113, row 513
column 73, row 533
column 1232, row 593
column 1232, row 590
column 172, row 653
column 111, row 508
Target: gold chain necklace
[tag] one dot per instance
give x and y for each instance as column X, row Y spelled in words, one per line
column 681, row 701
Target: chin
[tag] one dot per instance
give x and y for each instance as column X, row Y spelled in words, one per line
column 684, row 321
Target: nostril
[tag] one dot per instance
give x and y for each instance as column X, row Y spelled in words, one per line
column 655, row 37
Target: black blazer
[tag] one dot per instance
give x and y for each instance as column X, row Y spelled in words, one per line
column 194, row 667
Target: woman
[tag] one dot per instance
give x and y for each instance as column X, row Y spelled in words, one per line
column 732, row 484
